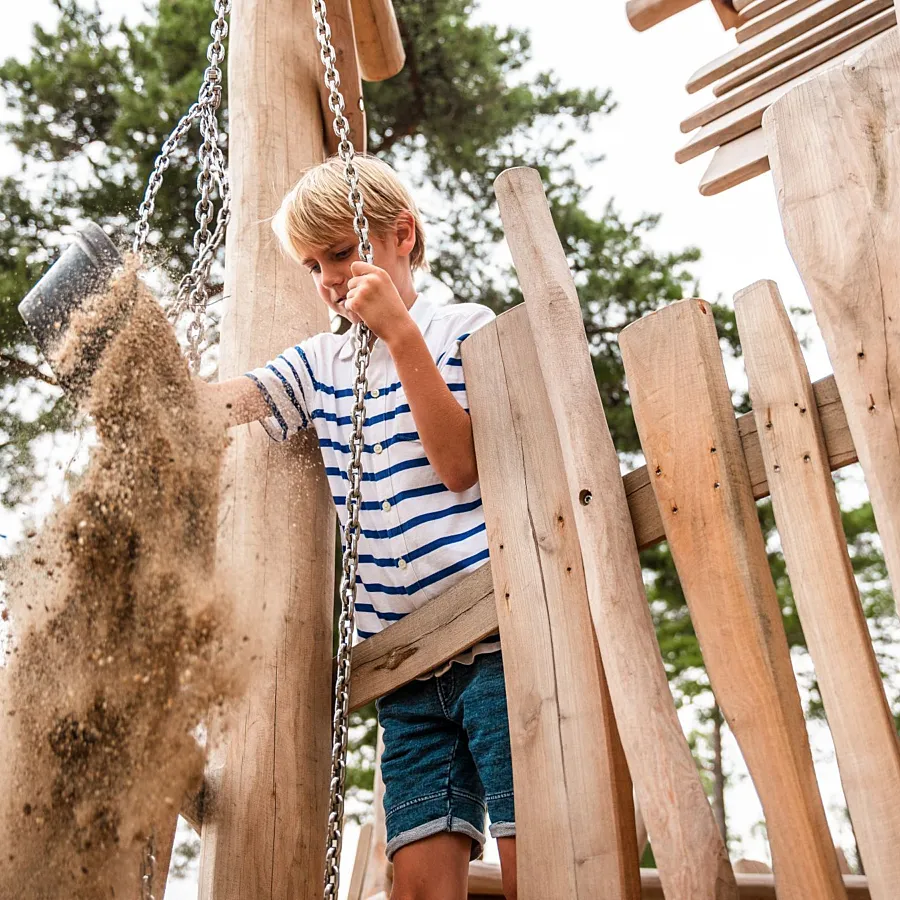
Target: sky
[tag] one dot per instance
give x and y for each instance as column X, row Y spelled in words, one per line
column 739, row 232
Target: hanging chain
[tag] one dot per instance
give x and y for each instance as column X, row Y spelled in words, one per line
column 193, row 291
column 361, row 350
column 148, row 869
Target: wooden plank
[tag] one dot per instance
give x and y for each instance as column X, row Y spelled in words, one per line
column 741, row 5
column 340, row 20
column 770, row 19
column 360, row 863
column 687, row 843
column 379, row 872
column 378, row 40
column 644, row 14
column 747, row 866
column 750, row 9
column 736, row 162
column 824, row 587
column 269, row 785
column 727, row 14
column 799, row 65
column 812, row 38
column 683, row 412
column 753, row 49
column 834, row 144
column 564, row 741
column 749, row 116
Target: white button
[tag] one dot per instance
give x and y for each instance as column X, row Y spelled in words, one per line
column 378, row 448
column 386, row 506
column 401, row 563
column 375, row 393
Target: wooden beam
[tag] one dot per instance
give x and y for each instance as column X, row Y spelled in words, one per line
column 823, row 583
column 735, row 162
column 684, row 416
column 378, row 40
column 833, row 143
column 563, row 736
column 687, row 843
column 263, row 832
column 770, row 19
column 750, row 9
column 753, row 49
column 644, row 14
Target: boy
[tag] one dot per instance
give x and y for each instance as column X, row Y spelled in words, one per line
column 446, row 736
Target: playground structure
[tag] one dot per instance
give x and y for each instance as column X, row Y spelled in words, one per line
column 591, row 717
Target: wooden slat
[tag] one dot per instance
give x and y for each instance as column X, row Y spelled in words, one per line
column 753, row 49
column 379, row 872
column 736, row 162
column 769, row 20
column 340, row 20
column 835, row 146
column 684, row 416
column 378, row 41
column 562, row 731
column 822, row 580
column 792, row 69
column 687, row 843
column 741, row 5
column 808, row 41
column 749, row 116
column 750, row 9
column 360, row 863
column 726, row 13
column 644, row 14
column 748, row 866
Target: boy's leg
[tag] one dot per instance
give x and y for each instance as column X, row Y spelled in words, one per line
column 506, row 847
column 434, row 868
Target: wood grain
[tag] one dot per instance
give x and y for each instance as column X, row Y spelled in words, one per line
column 565, row 747
column 834, row 144
column 812, row 38
column 735, row 162
column 644, row 14
column 750, row 9
column 267, row 788
column 378, row 40
column 822, row 580
column 792, row 69
column 753, row 49
column 687, row 843
column 340, row 20
column 770, row 19
column 684, row 415
column 749, row 116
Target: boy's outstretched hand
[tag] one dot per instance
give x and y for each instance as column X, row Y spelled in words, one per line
column 373, row 299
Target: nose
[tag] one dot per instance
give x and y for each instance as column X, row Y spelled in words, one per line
column 332, row 277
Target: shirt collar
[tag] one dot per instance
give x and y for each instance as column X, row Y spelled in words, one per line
column 421, row 312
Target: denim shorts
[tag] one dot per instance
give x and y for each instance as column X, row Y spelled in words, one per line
column 446, row 757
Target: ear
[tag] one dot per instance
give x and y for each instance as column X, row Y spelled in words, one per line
column 405, row 233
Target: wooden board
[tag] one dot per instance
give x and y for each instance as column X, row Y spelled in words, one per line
column 378, row 40
column 644, row 14
column 726, row 13
column 687, row 844
column 750, row 9
column 808, row 41
column 741, row 5
column 749, row 116
column 834, row 144
column 753, row 49
column 770, row 19
column 822, row 581
column 736, row 162
column 565, row 746
column 794, row 68
column 684, row 416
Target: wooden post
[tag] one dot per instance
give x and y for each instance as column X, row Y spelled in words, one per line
column 815, row 548
column 267, row 788
column 834, row 146
column 690, row 851
column 685, row 419
column 575, row 830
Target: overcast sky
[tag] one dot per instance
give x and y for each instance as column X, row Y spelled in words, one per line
column 592, row 45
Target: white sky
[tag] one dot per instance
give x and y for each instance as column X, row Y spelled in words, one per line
column 739, row 232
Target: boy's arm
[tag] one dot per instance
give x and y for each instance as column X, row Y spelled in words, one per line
column 444, row 427
column 238, row 400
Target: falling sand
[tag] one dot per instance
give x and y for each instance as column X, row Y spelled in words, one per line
column 124, row 640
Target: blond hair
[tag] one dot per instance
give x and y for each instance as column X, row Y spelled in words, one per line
column 315, row 212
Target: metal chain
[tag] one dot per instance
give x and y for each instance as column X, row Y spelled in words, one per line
column 148, row 868
column 361, row 338
column 193, row 290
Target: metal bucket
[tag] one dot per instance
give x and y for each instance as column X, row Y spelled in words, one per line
column 82, row 270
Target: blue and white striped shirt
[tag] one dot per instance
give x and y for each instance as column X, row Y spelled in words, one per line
column 417, row 537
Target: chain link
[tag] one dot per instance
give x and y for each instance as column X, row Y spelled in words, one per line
column 148, row 868
column 361, row 338
column 193, row 290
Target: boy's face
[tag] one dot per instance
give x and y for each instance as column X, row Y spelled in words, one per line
column 330, row 266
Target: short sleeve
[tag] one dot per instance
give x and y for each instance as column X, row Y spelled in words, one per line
column 286, row 384
column 449, row 362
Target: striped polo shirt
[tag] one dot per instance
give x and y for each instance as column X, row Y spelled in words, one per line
column 417, row 538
